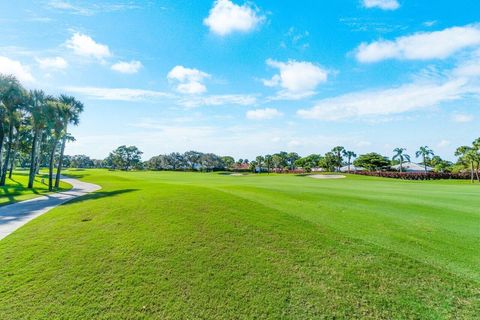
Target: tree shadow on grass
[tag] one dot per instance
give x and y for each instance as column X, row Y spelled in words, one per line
column 101, row 194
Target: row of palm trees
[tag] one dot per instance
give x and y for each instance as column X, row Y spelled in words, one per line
column 423, row 152
column 34, row 123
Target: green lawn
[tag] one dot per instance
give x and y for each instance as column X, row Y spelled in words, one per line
column 153, row 245
column 16, row 188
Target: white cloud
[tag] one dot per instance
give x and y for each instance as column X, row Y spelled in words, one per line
column 263, row 114
column 444, row 144
column 84, row 45
column 52, row 63
column 405, row 98
column 127, row 67
column 462, row 118
column 188, row 81
column 117, row 94
column 88, row 9
column 218, row 100
column 297, row 79
column 421, row 46
column 226, row 17
column 16, row 68
column 381, row 4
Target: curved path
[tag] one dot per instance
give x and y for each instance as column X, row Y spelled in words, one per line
column 15, row 215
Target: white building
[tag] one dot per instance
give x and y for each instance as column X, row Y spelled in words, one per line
column 352, row 168
column 412, row 167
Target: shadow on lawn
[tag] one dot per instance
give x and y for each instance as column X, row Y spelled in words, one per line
column 100, row 195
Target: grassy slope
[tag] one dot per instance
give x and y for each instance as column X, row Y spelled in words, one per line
column 16, row 188
column 182, row 245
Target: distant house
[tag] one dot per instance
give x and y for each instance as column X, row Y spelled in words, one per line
column 412, row 167
column 352, row 168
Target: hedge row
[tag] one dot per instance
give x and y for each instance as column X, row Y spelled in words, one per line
column 415, row 175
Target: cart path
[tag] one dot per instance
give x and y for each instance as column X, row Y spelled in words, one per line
column 15, row 215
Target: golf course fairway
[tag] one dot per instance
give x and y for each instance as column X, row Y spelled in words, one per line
column 175, row 245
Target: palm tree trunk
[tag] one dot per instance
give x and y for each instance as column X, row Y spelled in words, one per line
column 60, row 161
column 50, row 167
column 401, row 165
column 12, row 163
column 7, row 157
column 476, row 171
column 425, row 163
column 471, row 172
column 2, row 139
column 31, row 174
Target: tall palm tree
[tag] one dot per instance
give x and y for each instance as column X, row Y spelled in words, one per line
column 424, row 152
column 55, row 112
column 71, row 115
column 349, row 155
column 38, row 119
column 13, row 98
column 401, row 156
column 268, row 162
column 476, row 148
column 260, row 160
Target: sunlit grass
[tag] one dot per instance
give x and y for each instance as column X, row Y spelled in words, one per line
column 167, row 245
column 16, row 188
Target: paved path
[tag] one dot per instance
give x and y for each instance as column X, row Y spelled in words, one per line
column 15, row 215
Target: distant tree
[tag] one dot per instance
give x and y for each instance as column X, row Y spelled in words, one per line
column 400, row 156
column 440, row 165
column 349, row 155
column 280, row 160
column 469, row 157
column 259, row 160
column 338, row 151
column 210, row 162
column 228, row 162
column 424, row 152
column 329, row 161
column 193, row 159
column 268, row 162
column 309, row 162
column 291, row 158
column 125, row 157
column 372, row 161
column 253, row 166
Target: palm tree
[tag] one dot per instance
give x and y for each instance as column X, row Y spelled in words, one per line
column 424, row 152
column 13, row 98
column 260, row 160
column 71, row 114
column 268, row 162
column 350, row 155
column 38, row 120
column 55, row 112
column 401, row 157
column 476, row 148
column 338, row 151
column 468, row 155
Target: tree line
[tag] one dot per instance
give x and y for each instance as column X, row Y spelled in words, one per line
column 129, row 157
column 34, row 130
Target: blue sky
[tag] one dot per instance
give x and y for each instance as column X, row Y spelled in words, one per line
column 247, row 78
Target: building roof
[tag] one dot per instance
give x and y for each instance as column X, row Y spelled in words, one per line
column 412, row 167
column 352, row 168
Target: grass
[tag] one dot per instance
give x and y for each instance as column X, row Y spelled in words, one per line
column 16, row 188
column 209, row 246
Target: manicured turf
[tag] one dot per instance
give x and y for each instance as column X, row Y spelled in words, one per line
column 16, row 188
column 211, row 246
